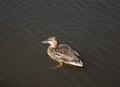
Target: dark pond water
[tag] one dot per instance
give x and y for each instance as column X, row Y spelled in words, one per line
column 92, row 27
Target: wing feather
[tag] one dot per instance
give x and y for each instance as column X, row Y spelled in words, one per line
column 66, row 53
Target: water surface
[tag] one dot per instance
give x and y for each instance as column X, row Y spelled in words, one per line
column 90, row 27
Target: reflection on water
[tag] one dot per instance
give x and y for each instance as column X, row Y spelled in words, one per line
column 90, row 27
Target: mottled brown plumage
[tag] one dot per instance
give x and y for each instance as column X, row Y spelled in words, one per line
column 62, row 53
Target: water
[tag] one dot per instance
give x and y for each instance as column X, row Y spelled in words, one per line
column 89, row 26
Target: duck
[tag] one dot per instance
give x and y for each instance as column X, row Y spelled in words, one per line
column 62, row 53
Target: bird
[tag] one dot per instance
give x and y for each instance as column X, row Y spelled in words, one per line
column 62, row 53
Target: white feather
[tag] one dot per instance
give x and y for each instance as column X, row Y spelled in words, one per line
column 80, row 64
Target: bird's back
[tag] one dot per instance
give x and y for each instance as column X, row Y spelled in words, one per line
column 66, row 53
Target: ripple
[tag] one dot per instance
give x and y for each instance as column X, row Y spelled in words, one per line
column 91, row 27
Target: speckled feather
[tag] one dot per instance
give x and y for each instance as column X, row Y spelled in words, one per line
column 66, row 53
column 62, row 53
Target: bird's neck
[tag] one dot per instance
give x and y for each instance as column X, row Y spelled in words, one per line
column 53, row 45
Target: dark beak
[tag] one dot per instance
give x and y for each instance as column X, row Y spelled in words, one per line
column 44, row 42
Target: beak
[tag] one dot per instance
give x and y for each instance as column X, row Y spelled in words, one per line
column 44, row 42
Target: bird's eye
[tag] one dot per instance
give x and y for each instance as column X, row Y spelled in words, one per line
column 49, row 40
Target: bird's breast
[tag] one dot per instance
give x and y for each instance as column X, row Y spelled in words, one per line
column 51, row 53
